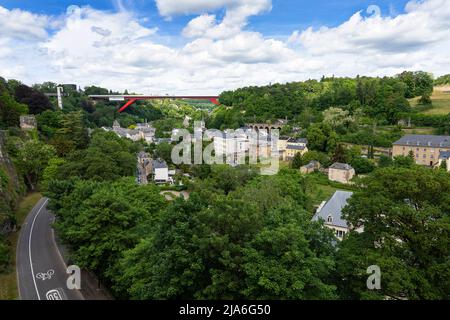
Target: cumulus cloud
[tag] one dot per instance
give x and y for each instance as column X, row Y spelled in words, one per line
column 116, row 50
column 237, row 14
column 23, row 25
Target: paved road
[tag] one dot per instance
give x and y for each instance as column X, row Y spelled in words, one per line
column 41, row 271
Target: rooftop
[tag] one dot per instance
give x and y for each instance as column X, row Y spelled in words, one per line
column 333, row 208
column 341, row 166
column 294, row 147
column 312, row 164
column 298, row 140
column 159, row 164
column 444, row 155
column 418, row 140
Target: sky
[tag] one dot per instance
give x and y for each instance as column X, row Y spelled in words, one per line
column 208, row 46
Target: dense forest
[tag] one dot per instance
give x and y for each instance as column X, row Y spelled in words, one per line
column 384, row 100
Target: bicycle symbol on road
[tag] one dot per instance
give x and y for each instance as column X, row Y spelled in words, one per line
column 45, row 275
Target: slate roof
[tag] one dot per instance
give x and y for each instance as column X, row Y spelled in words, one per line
column 312, row 165
column 444, row 155
column 341, row 166
column 418, row 140
column 334, row 208
column 299, row 140
column 159, row 164
column 294, row 147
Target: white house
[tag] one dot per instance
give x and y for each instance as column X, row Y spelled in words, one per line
column 160, row 171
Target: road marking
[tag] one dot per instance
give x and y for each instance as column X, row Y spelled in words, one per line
column 29, row 248
column 53, row 295
column 45, row 275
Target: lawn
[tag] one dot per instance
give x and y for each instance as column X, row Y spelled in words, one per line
column 319, row 188
column 8, row 281
column 441, row 102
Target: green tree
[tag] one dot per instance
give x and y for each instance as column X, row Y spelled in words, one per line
column 164, row 151
column 362, row 165
column 297, row 161
column 316, row 138
column 107, row 157
column 235, row 247
column 32, row 159
column 405, row 215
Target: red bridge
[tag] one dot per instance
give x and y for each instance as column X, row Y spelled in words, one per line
column 133, row 98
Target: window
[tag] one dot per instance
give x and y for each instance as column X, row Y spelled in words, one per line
column 424, row 156
column 330, row 219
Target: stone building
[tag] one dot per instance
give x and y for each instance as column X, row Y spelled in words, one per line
column 426, row 148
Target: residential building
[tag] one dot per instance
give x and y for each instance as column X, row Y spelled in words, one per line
column 160, row 171
column 233, row 145
column 426, row 148
column 294, row 146
column 331, row 213
column 281, row 145
column 143, row 131
column 341, row 172
column 310, row 167
column 444, row 157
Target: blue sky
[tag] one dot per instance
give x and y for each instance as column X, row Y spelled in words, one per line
column 208, row 46
column 285, row 16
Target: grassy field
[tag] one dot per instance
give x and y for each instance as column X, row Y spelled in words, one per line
column 441, row 102
column 8, row 281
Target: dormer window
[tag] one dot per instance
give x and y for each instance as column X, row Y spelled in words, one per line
column 330, row 219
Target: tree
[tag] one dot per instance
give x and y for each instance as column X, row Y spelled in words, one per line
column 405, row 215
column 234, row 247
column 107, row 157
column 316, row 138
column 50, row 172
column 36, row 101
column 164, row 151
column 32, row 159
column 311, row 155
column 297, row 161
column 404, row 161
column 10, row 110
column 100, row 221
column 362, row 165
column 425, row 99
column 339, row 154
column 385, row 161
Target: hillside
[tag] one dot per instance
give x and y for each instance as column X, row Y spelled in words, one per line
column 440, row 99
column 10, row 189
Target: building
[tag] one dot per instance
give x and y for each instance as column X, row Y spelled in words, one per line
column 331, row 213
column 341, row 172
column 28, row 122
column 294, row 146
column 426, row 148
column 143, row 131
column 310, row 167
column 444, row 157
column 233, row 145
column 160, row 171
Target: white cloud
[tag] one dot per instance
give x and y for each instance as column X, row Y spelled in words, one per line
column 22, row 25
column 237, row 14
column 115, row 50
